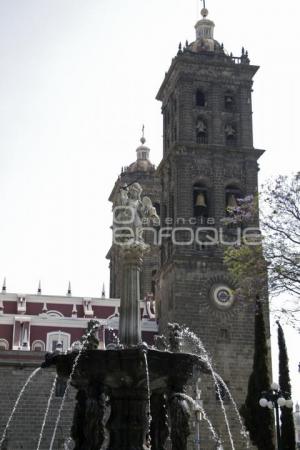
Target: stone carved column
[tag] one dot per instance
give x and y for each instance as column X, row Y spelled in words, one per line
column 130, row 315
column 88, row 429
column 180, row 414
column 128, row 423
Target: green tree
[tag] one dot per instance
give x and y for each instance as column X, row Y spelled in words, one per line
column 277, row 253
column 287, row 421
column 259, row 421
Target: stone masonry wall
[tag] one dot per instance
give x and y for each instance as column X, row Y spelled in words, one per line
column 26, row 424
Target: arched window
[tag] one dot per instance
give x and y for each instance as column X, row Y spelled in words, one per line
column 200, row 98
column 230, row 134
column 232, row 194
column 229, row 101
column 201, row 131
column 4, row 345
column 200, row 201
column 54, row 314
column 38, row 346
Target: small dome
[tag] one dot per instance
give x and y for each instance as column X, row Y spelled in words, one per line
column 205, row 45
column 141, row 166
column 142, row 163
column 205, row 41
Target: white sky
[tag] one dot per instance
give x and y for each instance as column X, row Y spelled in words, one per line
column 78, row 80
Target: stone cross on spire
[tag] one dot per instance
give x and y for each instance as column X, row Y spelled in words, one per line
column 143, row 140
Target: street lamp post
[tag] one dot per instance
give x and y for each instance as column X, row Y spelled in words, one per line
column 274, row 398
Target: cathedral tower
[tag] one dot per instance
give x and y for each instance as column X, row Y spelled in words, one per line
column 208, row 162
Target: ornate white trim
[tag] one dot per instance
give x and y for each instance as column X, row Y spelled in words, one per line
column 4, row 343
column 38, row 343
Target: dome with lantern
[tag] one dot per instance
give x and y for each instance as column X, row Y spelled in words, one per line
column 142, row 163
column 205, row 41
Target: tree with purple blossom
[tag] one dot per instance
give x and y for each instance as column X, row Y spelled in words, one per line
column 276, row 252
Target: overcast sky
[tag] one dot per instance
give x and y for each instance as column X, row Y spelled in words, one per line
column 78, row 80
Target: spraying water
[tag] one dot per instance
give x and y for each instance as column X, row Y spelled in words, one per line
column 200, row 350
column 116, row 339
column 210, row 425
column 243, row 430
column 199, row 407
column 148, row 392
column 16, row 403
column 86, row 338
column 47, row 411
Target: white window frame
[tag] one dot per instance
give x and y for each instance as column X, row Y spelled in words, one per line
column 55, row 336
column 4, row 342
column 38, row 343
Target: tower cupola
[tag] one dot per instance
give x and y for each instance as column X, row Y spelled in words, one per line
column 204, row 27
column 143, row 151
column 142, row 163
column 205, row 34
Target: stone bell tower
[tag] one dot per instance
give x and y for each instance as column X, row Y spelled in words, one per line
column 208, row 162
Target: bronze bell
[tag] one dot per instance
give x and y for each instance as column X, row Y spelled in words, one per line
column 200, row 201
column 232, row 203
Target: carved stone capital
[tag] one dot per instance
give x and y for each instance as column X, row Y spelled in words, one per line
column 134, row 252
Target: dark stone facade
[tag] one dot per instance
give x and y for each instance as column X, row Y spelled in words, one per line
column 206, row 95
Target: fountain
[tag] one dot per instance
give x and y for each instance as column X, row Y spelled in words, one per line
column 132, row 397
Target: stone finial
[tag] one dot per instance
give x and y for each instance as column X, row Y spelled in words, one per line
column 39, row 291
column 4, row 286
column 204, row 12
column 103, row 295
column 69, row 293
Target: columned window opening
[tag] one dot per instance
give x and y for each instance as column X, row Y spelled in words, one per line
column 201, row 132
column 200, row 201
column 229, row 101
column 230, row 134
column 232, row 194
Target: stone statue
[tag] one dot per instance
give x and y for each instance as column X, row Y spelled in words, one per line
column 230, row 131
column 132, row 213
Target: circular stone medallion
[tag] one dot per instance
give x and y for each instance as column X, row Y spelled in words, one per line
column 222, row 296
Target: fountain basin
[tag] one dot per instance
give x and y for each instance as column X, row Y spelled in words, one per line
column 118, row 390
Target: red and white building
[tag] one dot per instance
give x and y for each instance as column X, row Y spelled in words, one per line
column 38, row 322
